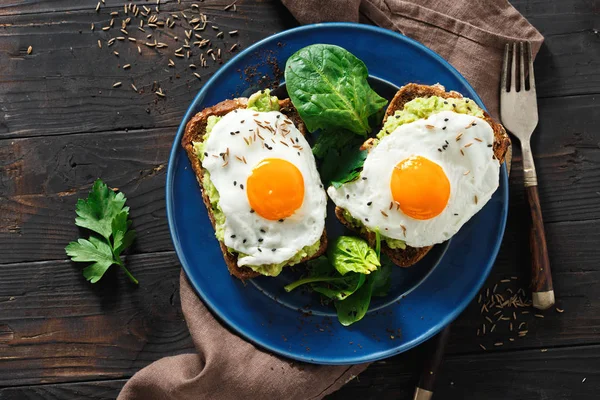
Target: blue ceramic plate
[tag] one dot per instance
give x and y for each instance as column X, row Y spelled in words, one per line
column 422, row 300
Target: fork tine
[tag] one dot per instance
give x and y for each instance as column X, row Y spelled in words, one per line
column 504, row 68
column 522, row 65
column 531, row 76
column 513, row 69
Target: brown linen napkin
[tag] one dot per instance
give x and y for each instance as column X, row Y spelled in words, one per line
column 471, row 36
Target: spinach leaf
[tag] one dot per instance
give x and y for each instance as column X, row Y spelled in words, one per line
column 328, row 86
column 382, row 278
column 325, row 279
column 334, row 139
column 339, row 167
column 351, row 254
column 355, row 307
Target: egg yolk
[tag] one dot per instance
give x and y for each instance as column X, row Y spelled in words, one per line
column 275, row 189
column 420, row 187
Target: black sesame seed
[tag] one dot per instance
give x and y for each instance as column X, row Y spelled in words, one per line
column 241, row 186
column 260, row 240
column 242, row 121
column 298, row 153
column 446, row 142
column 444, row 128
column 233, row 236
column 467, row 100
column 232, row 133
column 235, row 111
column 444, row 147
column 321, row 186
column 221, row 154
column 244, row 241
column 367, row 219
column 251, row 211
column 281, row 220
column 453, row 105
column 455, row 214
column 364, row 178
column 473, row 124
column 205, row 154
column 236, row 132
column 297, row 140
column 259, row 249
column 262, row 230
column 234, row 183
column 440, row 150
column 278, row 116
column 369, row 203
column 347, row 196
column 489, row 145
column 446, row 119
column 273, row 250
column 469, row 108
column 445, row 102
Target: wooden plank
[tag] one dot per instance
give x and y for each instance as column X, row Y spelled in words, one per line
column 41, row 179
column 96, row 390
column 49, row 174
column 55, row 327
column 569, row 61
column 77, row 77
column 567, row 373
column 574, row 262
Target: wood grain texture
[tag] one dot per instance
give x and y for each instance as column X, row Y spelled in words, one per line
column 56, row 327
column 541, row 276
column 570, row 30
column 76, row 76
column 567, row 373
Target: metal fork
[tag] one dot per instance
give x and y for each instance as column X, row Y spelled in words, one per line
column 518, row 111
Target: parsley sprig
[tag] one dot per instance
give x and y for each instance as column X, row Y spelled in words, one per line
column 104, row 213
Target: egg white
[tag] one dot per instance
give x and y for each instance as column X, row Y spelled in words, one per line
column 230, row 159
column 473, row 176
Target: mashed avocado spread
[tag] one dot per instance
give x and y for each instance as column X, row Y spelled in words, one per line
column 423, row 107
column 259, row 101
column 419, row 108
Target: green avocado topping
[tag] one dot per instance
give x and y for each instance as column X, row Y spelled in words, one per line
column 392, row 243
column 263, row 101
column 423, row 107
column 260, row 101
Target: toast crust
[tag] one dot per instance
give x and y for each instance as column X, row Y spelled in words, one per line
column 411, row 255
column 194, row 132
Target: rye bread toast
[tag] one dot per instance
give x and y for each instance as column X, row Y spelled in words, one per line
column 194, row 132
column 411, row 255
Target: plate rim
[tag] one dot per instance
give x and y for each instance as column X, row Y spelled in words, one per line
column 346, row 360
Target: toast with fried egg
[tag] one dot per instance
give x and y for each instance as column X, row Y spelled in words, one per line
column 195, row 132
column 410, row 255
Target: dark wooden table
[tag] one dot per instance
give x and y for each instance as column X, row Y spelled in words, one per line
column 62, row 125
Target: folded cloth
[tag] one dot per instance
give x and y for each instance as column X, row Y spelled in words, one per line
column 471, row 36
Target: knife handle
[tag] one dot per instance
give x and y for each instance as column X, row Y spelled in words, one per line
column 436, row 348
column 541, row 276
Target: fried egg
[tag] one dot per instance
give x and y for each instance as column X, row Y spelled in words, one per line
column 269, row 189
column 425, row 180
